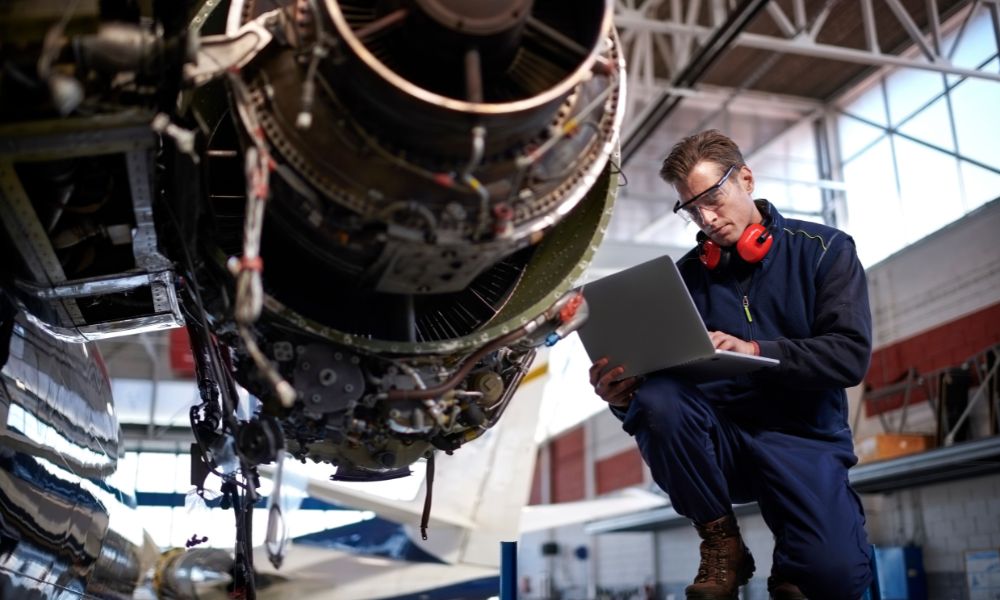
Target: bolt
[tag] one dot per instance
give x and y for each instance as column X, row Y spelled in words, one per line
column 338, row 356
column 348, row 388
column 327, row 377
column 283, row 351
column 316, row 398
column 305, row 366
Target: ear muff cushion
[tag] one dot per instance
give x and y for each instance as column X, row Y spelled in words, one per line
column 754, row 244
column 710, row 254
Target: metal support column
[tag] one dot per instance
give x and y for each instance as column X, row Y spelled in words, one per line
column 508, row 570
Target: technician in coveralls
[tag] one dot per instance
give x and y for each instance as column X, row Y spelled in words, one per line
column 784, row 289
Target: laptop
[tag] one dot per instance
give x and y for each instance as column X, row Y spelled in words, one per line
column 644, row 319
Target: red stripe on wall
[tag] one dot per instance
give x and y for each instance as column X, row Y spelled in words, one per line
column 618, row 471
column 944, row 346
column 567, row 466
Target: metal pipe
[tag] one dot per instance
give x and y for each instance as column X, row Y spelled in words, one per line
column 508, row 570
column 912, row 29
column 865, row 57
column 799, row 11
column 460, row 373
column 934, row 21
column 781, row 20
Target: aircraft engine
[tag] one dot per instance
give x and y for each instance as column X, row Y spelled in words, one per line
column 370, row 213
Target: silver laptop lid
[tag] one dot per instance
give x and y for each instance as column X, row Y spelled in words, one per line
column 644, row 319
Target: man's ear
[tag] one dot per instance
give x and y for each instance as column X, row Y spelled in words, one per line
column 746, row 179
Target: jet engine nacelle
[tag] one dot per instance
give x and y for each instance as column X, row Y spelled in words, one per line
column 367, row 212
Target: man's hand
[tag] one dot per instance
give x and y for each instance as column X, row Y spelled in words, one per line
column 615, row 393
column 724, row 341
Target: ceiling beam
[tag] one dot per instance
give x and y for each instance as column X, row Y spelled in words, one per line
column 796, row 37
column 805, row 45
column 768, row 104
column 711, row 49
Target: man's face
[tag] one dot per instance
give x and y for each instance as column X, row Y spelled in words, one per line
column 725, row 206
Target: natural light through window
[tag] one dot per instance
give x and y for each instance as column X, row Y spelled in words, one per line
column 918, row 148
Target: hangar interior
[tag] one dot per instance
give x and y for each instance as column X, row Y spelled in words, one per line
column 889, row 151
column 879, row 117
column 846, row 117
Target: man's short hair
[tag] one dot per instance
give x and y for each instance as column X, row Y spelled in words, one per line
column 710, row 145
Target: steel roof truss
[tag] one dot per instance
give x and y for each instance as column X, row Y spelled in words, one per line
column 797, row 36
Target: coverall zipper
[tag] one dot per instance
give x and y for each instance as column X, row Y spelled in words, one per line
column 746, row 306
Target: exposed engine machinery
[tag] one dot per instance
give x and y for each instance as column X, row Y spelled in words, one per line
column 369, row 212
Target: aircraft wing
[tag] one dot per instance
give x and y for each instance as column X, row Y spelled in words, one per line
column 337, row 575
column 548, row 516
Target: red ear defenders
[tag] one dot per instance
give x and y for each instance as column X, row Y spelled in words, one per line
column 752, row 247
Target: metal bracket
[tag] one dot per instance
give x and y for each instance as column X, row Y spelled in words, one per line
column 217, row 54
column 128, row 134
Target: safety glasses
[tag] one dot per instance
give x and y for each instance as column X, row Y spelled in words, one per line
column 709, row 199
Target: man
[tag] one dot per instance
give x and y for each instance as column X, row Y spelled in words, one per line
column 784, row 289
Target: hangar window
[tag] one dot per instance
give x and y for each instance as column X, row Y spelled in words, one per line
column 918, row 148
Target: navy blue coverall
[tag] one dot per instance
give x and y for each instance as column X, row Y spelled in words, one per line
column 780, row 436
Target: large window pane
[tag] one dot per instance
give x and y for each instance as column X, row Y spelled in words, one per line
column 855, row 136
column 794, row 198
column 934, row 186
column 869, row 105
column 785, row 168
column 981, row 186
column 977, row 118
column 977, row 44
column 873, row 204
column 932, row 125
column 910, row 89
column 929, row 187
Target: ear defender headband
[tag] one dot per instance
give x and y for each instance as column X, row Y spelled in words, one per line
column 752, row 247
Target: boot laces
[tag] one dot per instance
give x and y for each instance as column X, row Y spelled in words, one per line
column 713, row 561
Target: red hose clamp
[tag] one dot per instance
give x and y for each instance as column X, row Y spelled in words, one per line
column 567, row 312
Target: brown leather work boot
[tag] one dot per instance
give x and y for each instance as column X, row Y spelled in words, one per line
column 726, row 564
column 783, row 590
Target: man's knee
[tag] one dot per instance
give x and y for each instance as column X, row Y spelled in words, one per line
column 665, row 407
column 825, row 575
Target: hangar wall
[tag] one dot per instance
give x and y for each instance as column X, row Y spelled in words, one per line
column 940, row 295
